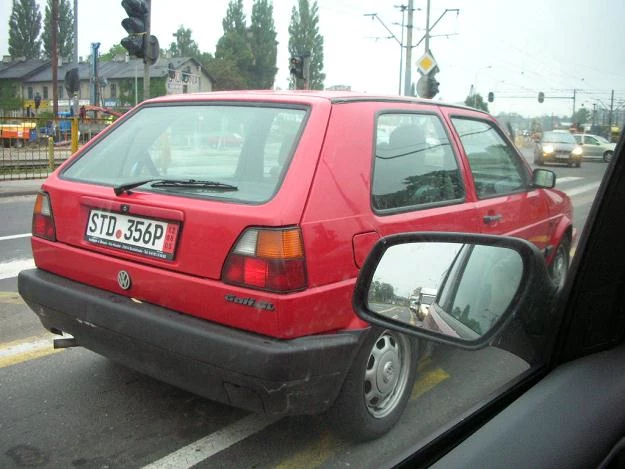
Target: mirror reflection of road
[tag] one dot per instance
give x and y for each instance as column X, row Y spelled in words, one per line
column 74, row 408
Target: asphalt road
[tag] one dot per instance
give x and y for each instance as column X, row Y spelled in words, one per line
column 73, row 408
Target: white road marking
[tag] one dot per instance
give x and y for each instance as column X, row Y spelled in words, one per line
column 17, row 236
column 568, row 179
column 581, row 189
column 12, row 268
column 214, row 443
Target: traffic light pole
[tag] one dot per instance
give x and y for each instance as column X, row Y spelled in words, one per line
column 146, row 63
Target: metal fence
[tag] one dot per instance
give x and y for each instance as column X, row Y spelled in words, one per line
column 32, row 147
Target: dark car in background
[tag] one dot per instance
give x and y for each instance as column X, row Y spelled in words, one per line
column 558, row 146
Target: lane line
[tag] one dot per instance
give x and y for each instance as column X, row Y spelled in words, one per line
column 17, row 236
column 12, row 268
column 11, row 298
column 427, row 381
column 19, row 351
column 568, row 179
column 315, row 455
column 214, row 443
column 581, row 189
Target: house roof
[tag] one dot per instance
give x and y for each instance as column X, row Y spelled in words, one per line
column 115, row 70
column 22, row 69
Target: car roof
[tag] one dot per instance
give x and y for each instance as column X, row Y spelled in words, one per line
column 302, row 96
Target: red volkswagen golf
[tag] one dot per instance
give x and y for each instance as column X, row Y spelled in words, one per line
column 228, row 270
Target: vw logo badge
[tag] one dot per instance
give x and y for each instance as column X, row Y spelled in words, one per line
column 123, row 279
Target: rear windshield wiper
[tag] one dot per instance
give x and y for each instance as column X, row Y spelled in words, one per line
column 175, row 183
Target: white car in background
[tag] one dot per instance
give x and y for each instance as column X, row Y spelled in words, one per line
column 595, row 146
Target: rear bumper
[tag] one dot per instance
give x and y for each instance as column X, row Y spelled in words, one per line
column 238, row 368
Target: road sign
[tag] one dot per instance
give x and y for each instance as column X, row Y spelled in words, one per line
column 426, row 63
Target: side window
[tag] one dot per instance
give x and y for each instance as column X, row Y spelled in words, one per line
column 592, row 141
column 495, row 165
column 414, row 163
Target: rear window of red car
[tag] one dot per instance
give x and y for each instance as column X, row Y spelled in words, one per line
column 244, row 146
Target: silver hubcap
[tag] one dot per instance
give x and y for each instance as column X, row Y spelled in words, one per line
column 386, row 375
column 560, row 266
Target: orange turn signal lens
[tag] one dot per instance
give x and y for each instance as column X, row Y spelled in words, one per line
column 279, row 244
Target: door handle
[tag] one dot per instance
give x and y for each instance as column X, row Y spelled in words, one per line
column 488, row 219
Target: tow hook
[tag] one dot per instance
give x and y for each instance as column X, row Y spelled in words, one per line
column 65, row 343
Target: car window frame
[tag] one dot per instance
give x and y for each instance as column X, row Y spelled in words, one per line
column 457, row 158
column 519, row 161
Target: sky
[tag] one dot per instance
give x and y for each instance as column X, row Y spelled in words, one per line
column 514, row 48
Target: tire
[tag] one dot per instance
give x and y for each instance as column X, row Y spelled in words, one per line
column 377, row 387
column 607, row 156
column 538, row 161
column 578, row 164
column 558, row 269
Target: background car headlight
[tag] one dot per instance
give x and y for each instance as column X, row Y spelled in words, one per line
column 548, row 149
column 577, row 151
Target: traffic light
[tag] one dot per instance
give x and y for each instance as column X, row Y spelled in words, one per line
column 541, row 97
column 72, row 81
column 135, row 26
column 491, row 96
column 427, row 86
column 296, row 67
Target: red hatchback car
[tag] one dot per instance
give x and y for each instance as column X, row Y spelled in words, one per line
column 228, row 270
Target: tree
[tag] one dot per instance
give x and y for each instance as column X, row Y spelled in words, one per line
column 24, row 28
column 233, row 48
column 116, row 50
column 305, row 40
column 477, row 102
column 582, row 115
column 65, row 33
column 184, row 45
column 263, row 45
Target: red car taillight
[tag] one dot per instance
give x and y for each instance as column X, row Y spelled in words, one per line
column 268, row 259
column 43, row 221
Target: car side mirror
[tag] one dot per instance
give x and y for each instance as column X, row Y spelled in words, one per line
column 481, row 283
column 543, row 178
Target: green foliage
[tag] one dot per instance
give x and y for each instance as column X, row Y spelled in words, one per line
column 24, row 28
column 235, row 18
column 65, row 33
column 476, row 101
column 126, row 93
column 305, row 39
column 184, row 45
column 9, row 95
column 115, row 51
column 381, row 292
column 263, row 45
column 225, row 73
column 233, row 48
column 582, row 115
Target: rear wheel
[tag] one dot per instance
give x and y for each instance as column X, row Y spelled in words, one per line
column 560, row 263
column 377, row 386
column 607, row 156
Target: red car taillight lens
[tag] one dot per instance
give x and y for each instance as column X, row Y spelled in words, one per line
column 266, row 259
column 43, row 221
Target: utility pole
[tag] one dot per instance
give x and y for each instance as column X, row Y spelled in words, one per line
column 146, row 63
column 55, row 58
column 401, row 48
column 610, row 116
column 574, row 95
column 409, row 26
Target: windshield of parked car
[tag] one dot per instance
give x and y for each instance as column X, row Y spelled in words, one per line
column 243, row 146
column 558, row 137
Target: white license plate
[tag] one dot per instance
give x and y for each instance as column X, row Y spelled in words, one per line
column 562, row 156
column 144, row 236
